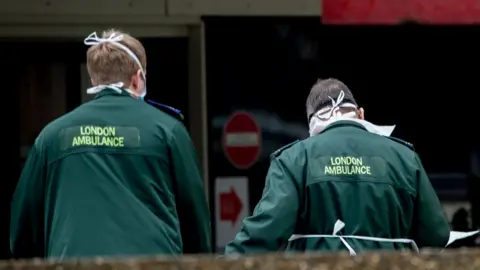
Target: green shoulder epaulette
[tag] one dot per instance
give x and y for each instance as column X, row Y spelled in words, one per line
column 281, row 149
column 167, row 109
column 407, row 144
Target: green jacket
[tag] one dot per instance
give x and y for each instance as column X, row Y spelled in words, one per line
column 375, row 185
column 114, row 177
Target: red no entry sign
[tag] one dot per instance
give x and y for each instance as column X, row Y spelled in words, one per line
column 242, row 140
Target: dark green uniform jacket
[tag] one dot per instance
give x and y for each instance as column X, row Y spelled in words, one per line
column 375, row 185
column 116, row 176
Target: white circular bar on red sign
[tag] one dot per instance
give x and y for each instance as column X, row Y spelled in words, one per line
column 242, row 140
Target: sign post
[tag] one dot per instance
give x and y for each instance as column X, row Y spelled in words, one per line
column 231, row 207
column 242, row 140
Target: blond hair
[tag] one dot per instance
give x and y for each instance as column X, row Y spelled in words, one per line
column 108, row 63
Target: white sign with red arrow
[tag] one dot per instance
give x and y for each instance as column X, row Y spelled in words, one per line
column 231, row 207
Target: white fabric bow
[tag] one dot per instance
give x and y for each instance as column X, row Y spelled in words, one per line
column 326, row 116
column 333, row 110
column 339, row 225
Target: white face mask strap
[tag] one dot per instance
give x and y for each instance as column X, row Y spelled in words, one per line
column 336, row 103
column 326, row 113
column 96, row 89
column 93, row 40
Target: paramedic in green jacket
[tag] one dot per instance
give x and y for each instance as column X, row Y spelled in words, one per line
column 349, row 178
column 116, row 176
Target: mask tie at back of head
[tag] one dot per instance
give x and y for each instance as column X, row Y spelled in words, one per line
column 333, row 110
column 324, row 117
column 327, row 115
column 114, row 39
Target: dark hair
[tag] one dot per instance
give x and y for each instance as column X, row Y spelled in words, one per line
column 321, row 92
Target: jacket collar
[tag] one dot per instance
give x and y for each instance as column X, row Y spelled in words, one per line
column 343, row 123
column 110, row 92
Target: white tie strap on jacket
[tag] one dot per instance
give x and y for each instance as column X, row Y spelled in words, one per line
column 339, row 225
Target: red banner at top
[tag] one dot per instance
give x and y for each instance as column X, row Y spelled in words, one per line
column 397, row 11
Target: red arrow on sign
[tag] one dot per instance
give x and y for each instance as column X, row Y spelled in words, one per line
column 230, row 206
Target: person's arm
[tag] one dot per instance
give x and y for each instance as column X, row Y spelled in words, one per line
column 431, row 227
column 192, row 206
column 27, row 209
column 275, row 216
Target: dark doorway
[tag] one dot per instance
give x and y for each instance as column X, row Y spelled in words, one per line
column 420, row 78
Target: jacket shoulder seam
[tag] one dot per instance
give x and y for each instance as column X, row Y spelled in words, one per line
column 279, row 151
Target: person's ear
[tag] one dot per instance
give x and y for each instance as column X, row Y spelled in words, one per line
column 361, row 114
column 136, row 81
column 91, row 81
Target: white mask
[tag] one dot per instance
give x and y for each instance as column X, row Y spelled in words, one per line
column 92, row 40
column 326, row 116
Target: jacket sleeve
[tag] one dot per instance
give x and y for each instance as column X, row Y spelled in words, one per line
column 27, row 209
column 431, row 227
column 192, row 207
column 274, row 218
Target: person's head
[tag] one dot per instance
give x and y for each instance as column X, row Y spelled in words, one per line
column 109, row 63
column 460, row 219
column 322, row 94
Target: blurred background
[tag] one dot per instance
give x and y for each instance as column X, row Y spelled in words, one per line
column 241, row 71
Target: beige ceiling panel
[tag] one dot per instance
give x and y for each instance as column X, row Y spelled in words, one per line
column 205, row 7
column 245, row 7
column 84, row 7
column 80, row 32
